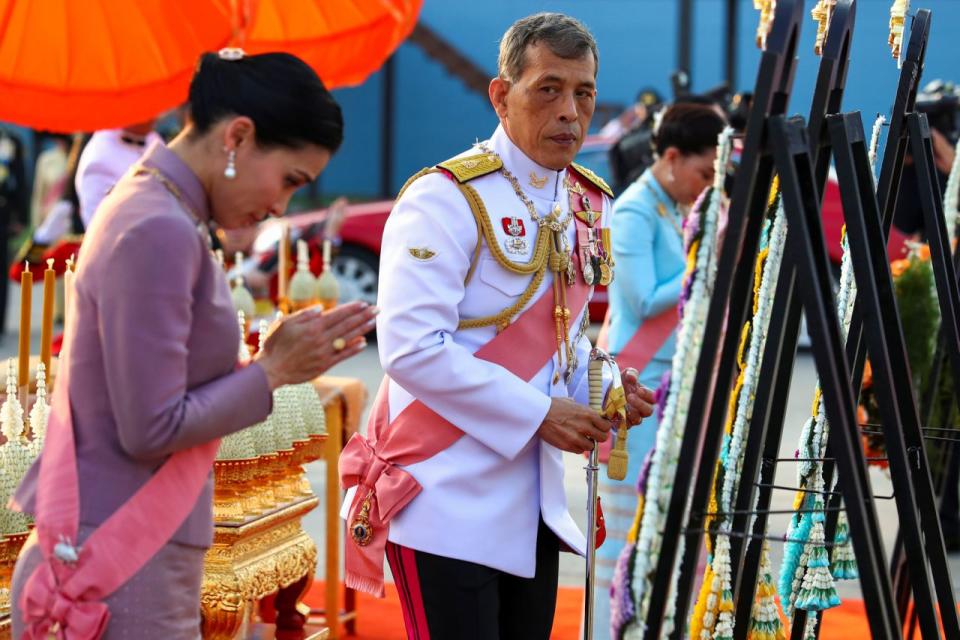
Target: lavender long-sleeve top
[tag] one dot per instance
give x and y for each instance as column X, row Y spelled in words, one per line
column 154, row 348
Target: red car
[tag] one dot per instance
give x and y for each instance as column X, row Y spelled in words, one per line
column 356, row 266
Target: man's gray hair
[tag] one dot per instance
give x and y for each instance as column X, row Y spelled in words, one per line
column 564, row 36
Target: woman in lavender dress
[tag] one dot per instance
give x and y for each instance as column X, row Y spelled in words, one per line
column 152, row 338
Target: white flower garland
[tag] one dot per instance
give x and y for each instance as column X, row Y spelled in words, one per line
column 40, row 413
column 951, row 199
column 875, row 143
column 670, row 431
column 816, row 431
column 733, row 462
column 16, row 454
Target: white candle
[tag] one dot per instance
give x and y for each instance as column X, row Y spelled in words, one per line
column 327, row 251
column 67, row 289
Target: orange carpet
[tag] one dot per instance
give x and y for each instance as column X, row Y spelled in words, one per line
column 382, row 619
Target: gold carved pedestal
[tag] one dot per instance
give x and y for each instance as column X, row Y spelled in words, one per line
column 250, row 560
column 9, row 550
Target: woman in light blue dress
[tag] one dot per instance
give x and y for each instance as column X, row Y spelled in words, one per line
column 647, row 230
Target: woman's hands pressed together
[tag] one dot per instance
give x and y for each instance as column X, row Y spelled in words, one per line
column 305, row 344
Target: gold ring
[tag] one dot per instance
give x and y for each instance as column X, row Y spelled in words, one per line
column 339, row 344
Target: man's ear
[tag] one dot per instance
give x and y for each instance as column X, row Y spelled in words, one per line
column 497, row 91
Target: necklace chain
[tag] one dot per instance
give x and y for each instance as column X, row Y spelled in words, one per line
column 167, row 184
column 552, row 221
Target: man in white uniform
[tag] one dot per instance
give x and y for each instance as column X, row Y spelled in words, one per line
column 487, row 264
column 107, row 156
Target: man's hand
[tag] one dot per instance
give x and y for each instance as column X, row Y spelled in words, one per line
column 640, row 400
column 573, row 427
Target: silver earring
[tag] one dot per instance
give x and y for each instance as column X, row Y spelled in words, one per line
column 231, row 171
column 670, row 177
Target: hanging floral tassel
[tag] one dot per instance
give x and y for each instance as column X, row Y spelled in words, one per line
column 766, row 622
column 818, row 590
column 724, row 628
column 844, row 562
column 794, row 556
column 705, row 611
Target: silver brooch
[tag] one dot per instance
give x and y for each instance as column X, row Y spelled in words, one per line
column 65, row 552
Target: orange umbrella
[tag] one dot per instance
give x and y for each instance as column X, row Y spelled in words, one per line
column 343, row 40
column 80, row 65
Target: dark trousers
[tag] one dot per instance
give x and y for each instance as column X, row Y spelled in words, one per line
column 447, row 599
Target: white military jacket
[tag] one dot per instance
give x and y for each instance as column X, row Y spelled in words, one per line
column 482, row 497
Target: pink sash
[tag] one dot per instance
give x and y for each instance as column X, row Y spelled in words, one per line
column 63, row 599
column 373, row 464
column 645, row 343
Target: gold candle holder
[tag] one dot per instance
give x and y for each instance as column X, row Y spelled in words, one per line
column 287, row 484
column 10, row 547
column 302, row 484
column 246, row 478
column 264, row 482
column 227, row 505
column 316, row 447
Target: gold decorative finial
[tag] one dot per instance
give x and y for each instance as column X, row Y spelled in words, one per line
column 898, row 19
column 822, row 13
column 767, row 8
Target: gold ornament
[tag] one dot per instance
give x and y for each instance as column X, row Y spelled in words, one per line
column 822, row 13
column 767, row 8
column 423, row 254
column 606, row 274
column 536, row 181
column 898, row 19
column 360, row 529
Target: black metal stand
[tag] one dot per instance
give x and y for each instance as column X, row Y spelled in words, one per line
column 733, row 285
column 802, row 164
column 910, row 473
column 809, row 256
column 766, row 429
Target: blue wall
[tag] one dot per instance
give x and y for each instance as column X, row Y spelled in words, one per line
column 436, row 116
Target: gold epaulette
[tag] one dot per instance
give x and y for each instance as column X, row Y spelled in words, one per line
column 593, row 178
column 467, row 168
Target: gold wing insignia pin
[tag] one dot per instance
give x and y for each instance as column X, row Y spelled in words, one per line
column 423, row 254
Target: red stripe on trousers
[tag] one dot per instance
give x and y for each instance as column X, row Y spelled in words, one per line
column 403, row 563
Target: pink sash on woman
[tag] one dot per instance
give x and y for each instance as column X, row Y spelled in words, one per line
column 63, row 597
column 374, row 463
column 645, row 343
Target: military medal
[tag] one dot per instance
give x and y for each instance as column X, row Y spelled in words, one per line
column 516, row 243
column 360, row 528
column 606, row 266
column 589, row 260
column 588, row 215
column 588, row 272
column 606, row 274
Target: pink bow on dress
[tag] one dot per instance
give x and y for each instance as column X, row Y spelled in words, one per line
column 49, row 610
